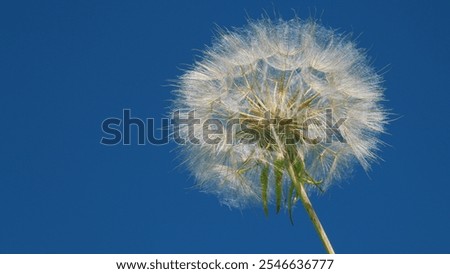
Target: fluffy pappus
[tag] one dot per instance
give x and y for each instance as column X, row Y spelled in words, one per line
column 298, row 104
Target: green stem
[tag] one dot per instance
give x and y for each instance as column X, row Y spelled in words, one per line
column 310, row 210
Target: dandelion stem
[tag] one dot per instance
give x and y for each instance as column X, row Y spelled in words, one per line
column 310, row 210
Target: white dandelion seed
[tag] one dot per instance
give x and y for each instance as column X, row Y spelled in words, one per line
column 279, row 80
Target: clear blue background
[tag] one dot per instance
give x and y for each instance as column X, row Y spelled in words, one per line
column 67, row 65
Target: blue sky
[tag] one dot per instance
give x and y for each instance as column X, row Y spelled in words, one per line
column 67, row 65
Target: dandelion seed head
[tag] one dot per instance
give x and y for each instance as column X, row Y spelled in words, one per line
column 292, row 72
